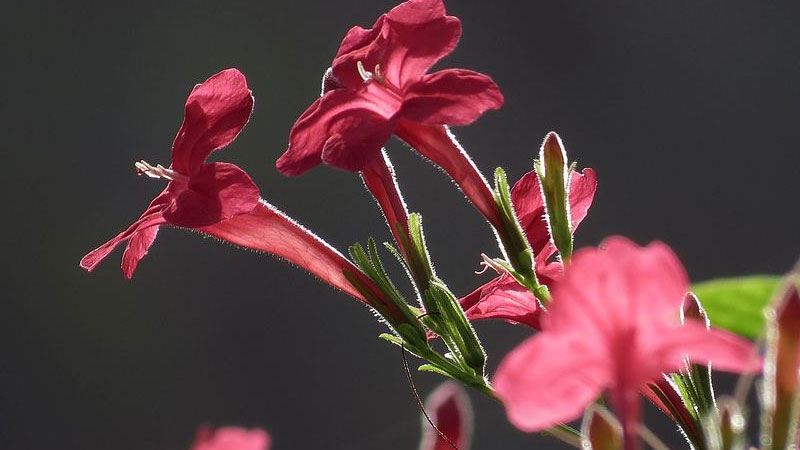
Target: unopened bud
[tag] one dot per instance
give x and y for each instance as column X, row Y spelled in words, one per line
column 553, row 173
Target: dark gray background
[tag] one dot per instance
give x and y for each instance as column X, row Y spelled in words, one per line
column 687, row 109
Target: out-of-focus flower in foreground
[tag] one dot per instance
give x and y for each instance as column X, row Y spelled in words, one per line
column 613, row 324
column 450, row 409
column 231, row 438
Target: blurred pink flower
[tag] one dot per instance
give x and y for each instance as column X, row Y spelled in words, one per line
column 450, row 409
column 613, row 324
column 231, row 438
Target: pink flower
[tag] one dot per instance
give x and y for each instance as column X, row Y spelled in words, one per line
column 449, row 408
column 197, row 194
column 220, row 200
column 613, row 324
column 503, row 297
column 231, row 438
column 378, row 81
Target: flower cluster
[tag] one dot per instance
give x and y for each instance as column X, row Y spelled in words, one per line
column 611, row 323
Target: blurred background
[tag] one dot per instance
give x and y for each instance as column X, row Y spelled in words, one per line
column 688, row 110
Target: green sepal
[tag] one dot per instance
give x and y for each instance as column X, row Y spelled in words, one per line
column 457, row 326
column 373, row 268
column 435, row 369
column 515, row 244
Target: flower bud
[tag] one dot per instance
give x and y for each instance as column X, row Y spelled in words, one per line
column 553, row 173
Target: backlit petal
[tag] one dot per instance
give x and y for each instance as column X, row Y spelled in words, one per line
column 357, row 124
column 420, row 34
column 216, row 111
column 217, row 192
column 503, row 298
column 143, row 229
column 451, row 97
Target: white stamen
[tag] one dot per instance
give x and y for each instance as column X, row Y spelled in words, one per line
column 489, row 263
column 159, row 171
column 366, row 76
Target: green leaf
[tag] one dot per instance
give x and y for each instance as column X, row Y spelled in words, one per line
column 737, row 304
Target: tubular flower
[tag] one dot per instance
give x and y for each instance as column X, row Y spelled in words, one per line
column 231, row 438
column 614, row 324
column 503, row 297
column 197, row 194
column 378, row 86
column 220, row 200
column 452, row 414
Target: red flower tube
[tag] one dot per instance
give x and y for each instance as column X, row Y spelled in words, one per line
column 220, row 200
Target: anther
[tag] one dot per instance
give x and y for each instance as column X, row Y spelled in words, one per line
column 489, row 263
column 365, row 75
column 378, row 73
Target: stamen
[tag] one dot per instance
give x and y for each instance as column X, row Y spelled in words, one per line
column 378, row 73
column 490, row 263
column 365, row 75
column 145, row 168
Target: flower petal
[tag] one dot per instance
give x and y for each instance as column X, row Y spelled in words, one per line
column 550, row 379
column 420, row 34
column 137, row 248
column 503, row 298
column 367, row 46
column 357, row 124
column 452, row 414
column 451, row 97
column 356, row 139
column 216, row 111
column 722, row 349
column 582, row 187
column 622, row 287
column 139, row 235
column 217, row 192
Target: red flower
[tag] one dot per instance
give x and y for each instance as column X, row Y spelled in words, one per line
column 613, row 324
column 219, row 199
column 503, row 297
column 450, row 410
column 231, row 438
column 198, row 194
column 378, row 81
